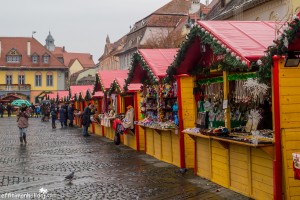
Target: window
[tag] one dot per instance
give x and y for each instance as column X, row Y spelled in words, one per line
column 8, row 79
column 46, row 58
column 21, row 79
column 49, row 79
column 13, row 59
column 38, row 79
column 35, row 59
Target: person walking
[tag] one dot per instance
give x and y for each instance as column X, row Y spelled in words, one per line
column 62, row 115
column 23, row 123
column 1, row 109
column 53, row 116
column 86, row 119
column 9, row 109
column 71, row 114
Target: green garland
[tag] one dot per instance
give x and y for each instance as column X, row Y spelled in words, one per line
column 114, row 86
column 231, row 77
column 280, row 48
column 138, row 59
column 97, row 82
column 80, row 98
column 75, row 97
column 88, row 96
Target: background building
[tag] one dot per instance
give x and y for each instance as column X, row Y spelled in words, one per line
column 28, row 69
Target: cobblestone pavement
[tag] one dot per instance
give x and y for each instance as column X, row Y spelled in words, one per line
column 102, row 169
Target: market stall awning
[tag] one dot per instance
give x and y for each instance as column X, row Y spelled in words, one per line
column 131, row 87
column 77, row 89
column 150, row 65
column 234, row 43
column 107, row 77
column 248, row 39
column 98, row 94
column 158, row 59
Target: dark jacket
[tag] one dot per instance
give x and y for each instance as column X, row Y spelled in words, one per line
column 62, row 114
column 71, row 113
column 86, row 116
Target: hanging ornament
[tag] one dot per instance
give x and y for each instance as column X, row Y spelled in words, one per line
column 219, row 42
column 223, row 46
column 238, row 58
column 227, row 50
column 259, row 63
column 286, row 42
column 244, row 62
column 206, row 32
column 202, row 29
column 232, row 54
column 214, row 39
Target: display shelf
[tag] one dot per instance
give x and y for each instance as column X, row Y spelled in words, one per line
column 157, row 129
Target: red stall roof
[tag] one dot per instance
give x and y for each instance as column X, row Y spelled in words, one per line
column 248, row 39
column 131, row 87
column 158, row 59
column 61, row 94
column 76, row 89
column 107, row 77
column 98, row 94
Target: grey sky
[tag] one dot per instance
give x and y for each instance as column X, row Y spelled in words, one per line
column 79, row 25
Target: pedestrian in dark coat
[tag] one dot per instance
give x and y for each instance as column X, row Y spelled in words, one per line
column 62, row 115
column 86, row 119
column 71, row 114
column 1, row 109
column 9, row 110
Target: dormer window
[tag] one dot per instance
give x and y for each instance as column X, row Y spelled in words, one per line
column 46, row 58
column 13, row 56
column 35, row 58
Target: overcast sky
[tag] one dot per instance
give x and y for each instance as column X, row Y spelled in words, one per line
column 79, row 25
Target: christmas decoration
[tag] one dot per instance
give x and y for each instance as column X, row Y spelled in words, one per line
column 136, row 60
column 96, row 85
column 87, row 96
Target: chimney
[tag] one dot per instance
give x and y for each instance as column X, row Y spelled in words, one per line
column 91, row 57
column 28, row 49
column 63, row 48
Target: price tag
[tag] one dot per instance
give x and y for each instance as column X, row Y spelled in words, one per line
column 225, row 104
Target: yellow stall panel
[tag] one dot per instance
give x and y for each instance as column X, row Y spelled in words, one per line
column 150, row 141
column 175, row 150
column 166, row 146
column 157, row 144
column 262, row 174
column 98, row 129
column 204, row 158
column 220, row 164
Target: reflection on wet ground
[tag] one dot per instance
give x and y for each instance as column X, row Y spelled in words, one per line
column 102, row 169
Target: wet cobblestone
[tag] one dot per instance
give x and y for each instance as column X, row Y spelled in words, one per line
column 102, row 170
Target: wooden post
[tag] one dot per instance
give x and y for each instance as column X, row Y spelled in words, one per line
column 226, row 92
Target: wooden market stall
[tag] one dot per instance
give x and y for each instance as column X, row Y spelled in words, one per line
column 286, row 85
column 97, row 99
column 111, row 104
column 157, row 104
column 221, row 103
column 78, row 94
column 131, row 138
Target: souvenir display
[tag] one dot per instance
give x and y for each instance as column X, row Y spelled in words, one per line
column 159, row 106
column 250, row 111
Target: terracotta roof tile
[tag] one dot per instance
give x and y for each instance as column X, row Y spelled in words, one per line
column 85, row 59
column 20, row 44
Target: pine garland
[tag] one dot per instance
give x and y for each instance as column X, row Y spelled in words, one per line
column 280, row 47
column 231, row 77
column 96, row 85
column 88, row 96
column 80, row 98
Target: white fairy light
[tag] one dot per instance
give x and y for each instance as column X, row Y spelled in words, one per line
column 255, row 88
column 238, row 58
column 244, row 62
column 232, row 54
column 227, row 50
